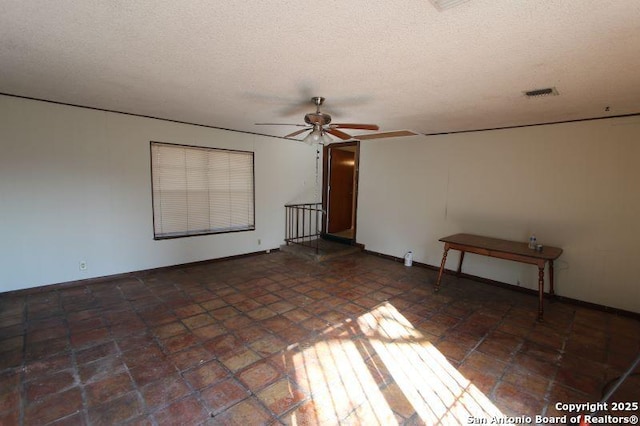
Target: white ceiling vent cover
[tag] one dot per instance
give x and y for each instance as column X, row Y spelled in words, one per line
column 537, row 93
column 442, row 5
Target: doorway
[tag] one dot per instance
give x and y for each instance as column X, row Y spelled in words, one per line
column 340, row 190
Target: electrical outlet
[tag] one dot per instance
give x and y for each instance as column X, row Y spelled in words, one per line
column 83, row 265
column 259, row 241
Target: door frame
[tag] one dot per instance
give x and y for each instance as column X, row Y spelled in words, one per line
column 325, row 183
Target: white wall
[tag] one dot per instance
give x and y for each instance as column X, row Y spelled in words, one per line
column 75, row 185
column 574, row 185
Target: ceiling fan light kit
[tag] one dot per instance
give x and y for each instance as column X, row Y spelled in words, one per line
column 317, row 136
column 320, row 127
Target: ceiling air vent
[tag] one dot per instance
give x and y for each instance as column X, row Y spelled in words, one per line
column 442, row 5
column 549, row 91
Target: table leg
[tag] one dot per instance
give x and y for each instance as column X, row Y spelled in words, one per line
column 551, row 292
column 444, row 260
column 540, row 291
column 460, row 264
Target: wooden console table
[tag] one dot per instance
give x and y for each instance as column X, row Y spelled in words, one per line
column 503, row 249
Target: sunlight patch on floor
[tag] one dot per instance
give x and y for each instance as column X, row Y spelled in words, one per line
column 381, row 370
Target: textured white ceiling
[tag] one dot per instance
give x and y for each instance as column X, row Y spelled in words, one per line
column 401, row 64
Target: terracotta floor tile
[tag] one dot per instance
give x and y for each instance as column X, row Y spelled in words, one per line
column 247, row 305
column 517, row 400
column 168, row 330
column 223, row 344
column 100, row 369
column 205, row 375
column 163, row 392
column 259, row 375
column 223, row 395
column 86, row 324
column 281, row 396
column 189, row 311
column 485, row 363
column 45, row 348
column 310, row 413
column 514, row 329
column 281, row 307
column 10, row 399
column 585, row 382
column 294, row 334
column 453, row 350
column 500, row 345
column 252, row 333
column 94, row 353
column 143, row 355
column 47, row 385
column 105, row 390
column 238, row 322
column 225, row 313
column 268, row 345
column 190, row 357
column 246, row 413
column 238, row 360
column 530, row 383
column 261, row 313
column 179, row 342
column 90, row 337
column 10, row 417
column 40, row 334
column 235, row 298
column 35, row 369
column 315, row 324
column 397, row 401
column 136, row 342
column 54, row 407
column 144, row 374
column 267, row 299
column 208, row 332
column 116, row 411
column 277, row 323
column 482, row 380
column 214, row 304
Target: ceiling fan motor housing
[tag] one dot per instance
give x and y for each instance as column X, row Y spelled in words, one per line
column 317, row 118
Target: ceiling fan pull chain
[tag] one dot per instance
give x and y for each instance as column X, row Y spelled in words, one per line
column 315, row 195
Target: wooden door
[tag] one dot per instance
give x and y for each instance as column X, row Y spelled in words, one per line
column 341, row 174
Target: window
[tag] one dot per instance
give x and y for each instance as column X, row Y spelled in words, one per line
column 200, row 191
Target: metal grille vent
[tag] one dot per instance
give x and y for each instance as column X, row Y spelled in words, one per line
column 536, row 93
column 442, row 5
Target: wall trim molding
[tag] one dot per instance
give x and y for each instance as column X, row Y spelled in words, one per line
column 549, row 123
column 453, row 132
column 132, row 114
column 532, row 292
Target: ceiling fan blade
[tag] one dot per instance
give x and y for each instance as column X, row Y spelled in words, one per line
column 337, row 133
column 296, row 133
column 354, row 126
column 395, row 134
column 279, row 124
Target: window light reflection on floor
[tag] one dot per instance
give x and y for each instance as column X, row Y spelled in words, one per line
column 345, row 387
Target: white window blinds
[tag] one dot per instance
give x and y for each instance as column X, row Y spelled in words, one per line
column 201, row 190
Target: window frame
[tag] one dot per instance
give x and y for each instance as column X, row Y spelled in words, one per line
column 186, row 234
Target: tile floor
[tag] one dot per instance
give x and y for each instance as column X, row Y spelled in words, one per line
column 273, row 339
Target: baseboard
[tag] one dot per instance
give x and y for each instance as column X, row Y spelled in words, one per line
column 512, row 287
column 133, row 274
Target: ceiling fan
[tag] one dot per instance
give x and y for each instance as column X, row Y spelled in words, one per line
column 320, row 127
